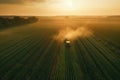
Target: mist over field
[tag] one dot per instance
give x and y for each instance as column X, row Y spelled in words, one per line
column 59, row 48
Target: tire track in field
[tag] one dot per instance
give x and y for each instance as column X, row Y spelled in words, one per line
column 26, row 68
column 44, row 64
column 12, row 45
column 107, row 70
column 30, row 62
column 112, row 69
column 23, row 55
column 82, row 60
column 93, row 52
column 63, row 67
column 35, row 58
column 54, row 75
column 106, row 52
column 10, row 61
column 78, row 74
column 16, row 47
column 69, row 67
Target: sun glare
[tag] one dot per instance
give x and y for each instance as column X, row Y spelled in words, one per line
column 67, row 5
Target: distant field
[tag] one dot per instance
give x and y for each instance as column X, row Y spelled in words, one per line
column 29, row 52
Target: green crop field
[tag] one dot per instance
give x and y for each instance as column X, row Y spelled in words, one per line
column 29, row 52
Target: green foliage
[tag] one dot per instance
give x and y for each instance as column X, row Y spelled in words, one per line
column 30, row 53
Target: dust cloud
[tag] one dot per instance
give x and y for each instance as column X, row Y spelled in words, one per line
column 73, row 33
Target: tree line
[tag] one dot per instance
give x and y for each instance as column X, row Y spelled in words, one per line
column 9, row 21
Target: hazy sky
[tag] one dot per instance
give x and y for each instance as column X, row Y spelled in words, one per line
column 60, row 7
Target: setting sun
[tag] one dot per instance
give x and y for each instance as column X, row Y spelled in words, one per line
column 59, row 7
column 67, row 5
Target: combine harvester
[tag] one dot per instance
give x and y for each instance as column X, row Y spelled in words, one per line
column 67, row 42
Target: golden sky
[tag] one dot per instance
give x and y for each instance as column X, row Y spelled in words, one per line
column 59, row 7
